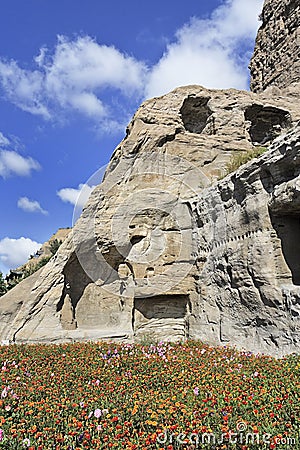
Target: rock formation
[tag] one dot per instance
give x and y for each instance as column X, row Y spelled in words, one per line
column 160, row 252
column 276, row 59
column 165, row 249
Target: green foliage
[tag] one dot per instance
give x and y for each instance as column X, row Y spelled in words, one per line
column 27, row 272
column 3, row 287
column 241, row 158
column 34, row 268
column 31, row 268
column 54, row 246
column 13, row 283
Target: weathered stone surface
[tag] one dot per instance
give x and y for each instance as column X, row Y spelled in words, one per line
column 164, row 250
column 250, row 275
column 276, row 58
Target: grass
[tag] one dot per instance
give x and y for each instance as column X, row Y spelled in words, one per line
column 241, row 158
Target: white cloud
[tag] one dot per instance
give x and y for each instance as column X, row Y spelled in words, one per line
column 4, row 142
column 81, row 75
column 73, row 77
column 208, row 51
column 13, row 163
column 77, row 196
column 24, row 88
column 237, row 19
column 84, row 65
column 30, row 205
column 41, row 56
column 14, row 252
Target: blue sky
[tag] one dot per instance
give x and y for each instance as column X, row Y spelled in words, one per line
column 72, row 73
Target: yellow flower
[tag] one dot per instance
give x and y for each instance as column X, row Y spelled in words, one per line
column 134, row 411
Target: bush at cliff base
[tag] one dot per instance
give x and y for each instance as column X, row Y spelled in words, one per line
column 160, row 396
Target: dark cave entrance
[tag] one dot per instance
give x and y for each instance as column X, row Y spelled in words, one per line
column 287, row 228
column 76, row 280
column 267, row 122
column 195, row 114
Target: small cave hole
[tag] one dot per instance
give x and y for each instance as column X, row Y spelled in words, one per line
column 195, row 113
column 149, row 272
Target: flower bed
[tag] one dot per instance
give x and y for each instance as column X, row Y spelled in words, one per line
column 162, row 396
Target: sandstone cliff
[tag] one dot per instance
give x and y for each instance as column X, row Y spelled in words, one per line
column 163, row 249
column 167, row 249
column 276, row 58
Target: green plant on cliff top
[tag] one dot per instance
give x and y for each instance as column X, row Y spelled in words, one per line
column 42, row 262
column 240, row 158
column 27, row 272
column 3, row 287
column 54, row 246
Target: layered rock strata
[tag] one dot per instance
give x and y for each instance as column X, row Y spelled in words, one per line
column 164, row 250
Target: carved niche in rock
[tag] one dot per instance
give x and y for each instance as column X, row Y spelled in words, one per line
column 161, row 317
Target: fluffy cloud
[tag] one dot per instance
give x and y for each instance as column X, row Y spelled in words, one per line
column 80, row 68
column 30, row 205
column 11, row 163
column 84, row 76
column 210, row 52
column 77, row 196
column 14, row 252
column 24, row 88
column 72, row 78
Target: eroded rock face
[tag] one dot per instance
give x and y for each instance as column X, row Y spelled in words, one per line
column 164, row 250
column 249, row 282
column 276, row 58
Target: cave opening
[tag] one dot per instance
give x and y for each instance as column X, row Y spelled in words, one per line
column 287, row 228
column 267, row 122
column 76, row 280
column 195, row 114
